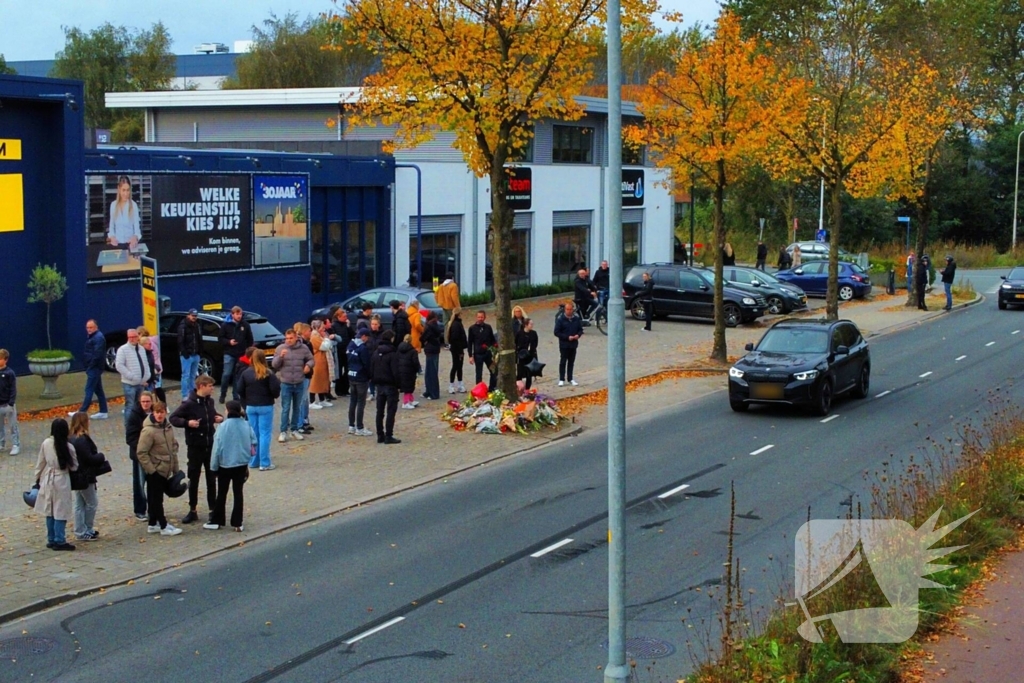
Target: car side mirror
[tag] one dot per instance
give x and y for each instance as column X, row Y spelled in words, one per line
column 749, row 347
column 842, row 350
column 798, row 271
column 1002, row 277
column 755, row 283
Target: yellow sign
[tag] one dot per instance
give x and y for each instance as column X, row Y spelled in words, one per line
column 12, row 202
column 10, row 150
column 213, row 307
column 150, row 307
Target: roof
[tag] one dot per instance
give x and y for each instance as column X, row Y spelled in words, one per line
column 186, row 66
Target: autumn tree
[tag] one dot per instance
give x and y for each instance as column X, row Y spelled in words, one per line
column 485, row 70
column 705, row 119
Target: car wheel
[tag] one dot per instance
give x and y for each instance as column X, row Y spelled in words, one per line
column 636, row 308
column 775, row 305
column 206, row 367
column 1002, row 307
column 732, row 315
column 824, row 406
column 863, row 382
column 845, row 293
column 111, row 358
column 738, row 406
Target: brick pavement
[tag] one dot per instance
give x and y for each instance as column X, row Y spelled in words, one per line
column 301, row 489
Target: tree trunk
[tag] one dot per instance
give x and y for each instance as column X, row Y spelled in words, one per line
column 719, row 350
column 502, row 218
column 924, row 212
column 832, row 294
column 49, row 342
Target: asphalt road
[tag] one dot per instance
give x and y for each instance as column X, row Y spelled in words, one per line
column 439, row 584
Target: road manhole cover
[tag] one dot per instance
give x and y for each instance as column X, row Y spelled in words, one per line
column 12, row 648
column 644, row 647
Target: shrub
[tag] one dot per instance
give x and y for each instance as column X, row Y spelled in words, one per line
column 46, row 285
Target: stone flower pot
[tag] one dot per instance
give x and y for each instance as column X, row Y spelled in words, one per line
column 49, row 369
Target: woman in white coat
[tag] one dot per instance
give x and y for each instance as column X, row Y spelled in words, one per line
column 55, row 463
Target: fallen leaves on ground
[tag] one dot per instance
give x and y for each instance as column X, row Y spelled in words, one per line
column 59, row 411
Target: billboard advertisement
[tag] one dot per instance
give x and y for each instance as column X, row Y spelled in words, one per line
column 280, row 227
column 188, row 222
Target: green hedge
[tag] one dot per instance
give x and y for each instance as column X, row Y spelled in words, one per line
column 518, row 292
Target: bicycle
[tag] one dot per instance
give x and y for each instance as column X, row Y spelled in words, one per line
column 598, row 316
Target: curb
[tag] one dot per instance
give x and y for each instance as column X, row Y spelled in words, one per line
column 54, row 601
column 898, row 327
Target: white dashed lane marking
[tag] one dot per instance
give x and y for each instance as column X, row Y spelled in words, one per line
column 674, row 491
column 925, row 374
column 375, row 629
column 887, row 391
column 829, row 418
column 762, row 449
column 556, row 546
column 1015, row 332
column 990, row 344
column 960, row 357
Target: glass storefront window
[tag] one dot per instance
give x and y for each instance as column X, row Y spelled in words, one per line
column 569, row 248
column 630, row 244
column 316, row 245
column 440, row 256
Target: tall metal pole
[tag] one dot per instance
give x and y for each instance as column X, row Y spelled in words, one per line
column 616, row 671
column 693, row 189
column 419, row 220
column 1016, row 183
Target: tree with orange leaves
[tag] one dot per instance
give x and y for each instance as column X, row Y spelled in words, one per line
column 485, row 70
column 707, row 120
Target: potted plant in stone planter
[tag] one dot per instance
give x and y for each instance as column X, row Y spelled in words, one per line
column 47, row 285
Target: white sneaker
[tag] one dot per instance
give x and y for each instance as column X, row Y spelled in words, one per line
column 282, row 437
column 326, row 404
column 561, row 383
column 170, row 530
column 315, row 405
column 73, row 413
column 415, row 404
column 408, row 406
column 15, row 450
column 211, row 526
column 574, row 383
column 451, row 388
column 364, row 432
column 371, row 397
column 99, row 416
column 351, row 430
column 297, row 436
column 462, row 388
column 153, row 529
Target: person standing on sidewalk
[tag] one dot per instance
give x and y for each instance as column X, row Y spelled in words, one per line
column 292, row 361
column 400, row 320
column 156, row 366
column 94, row 357
column 948, row 273
column 142, row 409
column 199, row 418
column 8, row 410
column 384, row 371
column 455, row 338
column 259, row 389
column 158, row 456
column 232, row 446
column 481, row 342
column 602, row 280
column 568, row 329
column 526, row 352
column 305, row 332
column 910, row 270
column 359, row 356
column 375, row 334
column 90, row 459
column 190, row 340
column 343, row 333
column 447, row 295
column 135, row 372
column 408, row 369
column 320, row 382
column 235, row 337
column 921, row 281
column 432, row 339
column 647, row 299
column 415, row 326
column 53, row 473
column 762, row 255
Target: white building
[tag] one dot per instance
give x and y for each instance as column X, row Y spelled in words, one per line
column 560, row 222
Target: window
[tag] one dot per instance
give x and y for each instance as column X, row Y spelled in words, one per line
column 691, row 282
column 525, row 155
column 813, row 268
column 837, row 338
column 663, row 278
column 632, row 155
column 519, row 258
column 851, row 337
column 630, row 244
column 569, row 248
column 440, row 256
column 317, row 249
column 572, row 145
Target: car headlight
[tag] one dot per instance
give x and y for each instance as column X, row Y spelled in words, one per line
column 1006, row 286
column 803, row 376
column 748, row 301
column 735, row 372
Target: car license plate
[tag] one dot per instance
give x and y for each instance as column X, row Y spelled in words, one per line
column 766, row 390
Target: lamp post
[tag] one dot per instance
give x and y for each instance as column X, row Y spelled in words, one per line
column 693, row 189
column 1016, row 183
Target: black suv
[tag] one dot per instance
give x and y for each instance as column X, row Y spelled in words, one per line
column 1011, row 291
column 690, row 292
column 802, row 362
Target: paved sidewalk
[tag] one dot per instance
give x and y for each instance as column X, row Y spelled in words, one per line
column 301, row 489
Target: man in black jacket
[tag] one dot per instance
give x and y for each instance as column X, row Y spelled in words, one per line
column 921, row 281
column 481, row 346
column 95, row 360
column 584, row 293
column 236, row 337
column 142, row 409
column 341, row 333
column 400, row 322
column 602, row 280
column 190, row 340
column 568, row 329
column 948, row 274
column 384, row 371
column 762, row 255
column 198, row 417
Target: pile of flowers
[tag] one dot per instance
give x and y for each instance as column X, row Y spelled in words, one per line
column 496, row 414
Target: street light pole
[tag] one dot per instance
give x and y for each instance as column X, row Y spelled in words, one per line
column 1016, row 183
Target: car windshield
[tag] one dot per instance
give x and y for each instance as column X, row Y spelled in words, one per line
column 262, row 329
column 1016, row 274
column 427, row 300
column 794, row 340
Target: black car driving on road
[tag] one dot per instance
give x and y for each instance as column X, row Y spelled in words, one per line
column 1011, row 292
column 802, row 362
column 690, row 292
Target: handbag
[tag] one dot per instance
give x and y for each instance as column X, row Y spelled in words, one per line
column 79, row 479
column 524, row 354
column 102, row 469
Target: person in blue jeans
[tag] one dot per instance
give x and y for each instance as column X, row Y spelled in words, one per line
column 132, row 365
column 948, row 273
column 293, row 361
column 235, row 337
column 190, row 341
column 95, row 360
column 259, row 389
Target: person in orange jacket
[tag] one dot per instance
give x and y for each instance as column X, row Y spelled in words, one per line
column 416, row 323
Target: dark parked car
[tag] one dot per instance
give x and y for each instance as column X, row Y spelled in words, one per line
column 684, row 291
column 780, row 297
column 802, row 362
column 380, row 298
column 813, row 279
column 211, row 356
column 1011, row 292
column 818, row 251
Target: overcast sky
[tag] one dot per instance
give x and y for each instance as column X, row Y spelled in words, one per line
column 28, row 31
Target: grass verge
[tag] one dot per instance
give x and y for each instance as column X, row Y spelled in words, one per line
column 982, row 470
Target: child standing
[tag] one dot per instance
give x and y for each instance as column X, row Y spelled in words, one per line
column 8, row 413
column 408, row 369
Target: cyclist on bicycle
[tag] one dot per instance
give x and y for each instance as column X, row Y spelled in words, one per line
column 584, row 293
column 601, row 280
